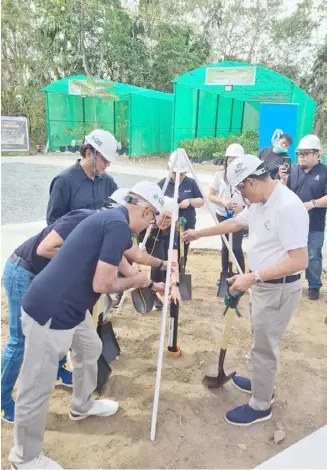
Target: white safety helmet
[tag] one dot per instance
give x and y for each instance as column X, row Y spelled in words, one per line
column 169, row 204
column 242, row 167
column 104, row 142
column 119, row 195
column 183, row 164
column 309, row 142
column 234, row 150
column 152, row 193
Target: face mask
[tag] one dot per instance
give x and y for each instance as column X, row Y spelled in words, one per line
column 279, row 149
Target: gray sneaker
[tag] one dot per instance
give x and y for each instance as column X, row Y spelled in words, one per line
column 40, row 462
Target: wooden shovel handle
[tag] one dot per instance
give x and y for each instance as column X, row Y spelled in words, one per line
column 228, row 328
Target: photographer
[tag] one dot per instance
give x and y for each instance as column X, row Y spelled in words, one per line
column 308, row 180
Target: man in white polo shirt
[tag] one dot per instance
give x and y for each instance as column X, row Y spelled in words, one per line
column 278, row 227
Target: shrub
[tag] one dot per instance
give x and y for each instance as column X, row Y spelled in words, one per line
column 208, row 148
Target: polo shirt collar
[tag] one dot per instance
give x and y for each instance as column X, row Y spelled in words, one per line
column 80, row 173
column 124, row 210
column 273, row 198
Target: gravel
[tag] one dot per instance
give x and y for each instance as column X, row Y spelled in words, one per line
column 25, row 190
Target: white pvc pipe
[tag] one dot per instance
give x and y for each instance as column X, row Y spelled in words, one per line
column 165, row 304
column 230, row 250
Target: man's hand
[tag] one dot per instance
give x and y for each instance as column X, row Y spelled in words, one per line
column 308, row 205
column 175, row 295
column 184, row 204
column 140, row 280
column 237, row 208
column 241, row 282
column 158, row 287
column 283, row 175
column 228, row 204
column 164, row 266
column 190, row 235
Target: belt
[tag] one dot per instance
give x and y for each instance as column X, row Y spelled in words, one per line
column 24, row 264
column 284, row 280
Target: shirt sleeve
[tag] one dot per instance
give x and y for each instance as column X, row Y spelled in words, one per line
column 243, row 217
column 66, row 224
column 117, row 239
column 59, row 201
column 215, row 181
column 294, row 227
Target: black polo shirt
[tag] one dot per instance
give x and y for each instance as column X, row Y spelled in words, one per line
column 272, row 160
column 188, row 189
column 63, row 291
column 311, row 185
column 64, row 226
column 72, row 189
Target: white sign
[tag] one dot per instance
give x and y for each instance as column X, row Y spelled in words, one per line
column 230, row 76
column 14, row 134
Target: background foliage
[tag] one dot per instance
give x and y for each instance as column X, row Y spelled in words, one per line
column 148, row 43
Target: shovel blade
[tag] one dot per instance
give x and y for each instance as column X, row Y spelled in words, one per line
column 104, row 372
column 217, row 381
column 143, row 300
column 185, row 286
column 110, row 346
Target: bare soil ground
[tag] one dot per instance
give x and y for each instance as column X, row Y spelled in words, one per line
column 191, row 430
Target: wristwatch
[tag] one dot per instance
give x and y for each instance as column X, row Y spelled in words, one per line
column 190, row 202
column 257, row 278
column 313, row 202
column 151, row 284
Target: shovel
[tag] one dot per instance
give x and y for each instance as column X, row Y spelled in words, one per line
column 110, row 346
column 223, row 284
column 143, row 299
column 221, row 379
column 185, row 280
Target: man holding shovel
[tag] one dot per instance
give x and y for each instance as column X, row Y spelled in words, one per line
column 55, row 318
column 278, row 226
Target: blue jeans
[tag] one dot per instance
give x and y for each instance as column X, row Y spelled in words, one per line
column 17, row 281
column 314, row 270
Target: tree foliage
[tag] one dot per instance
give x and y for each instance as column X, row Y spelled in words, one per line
column 149, row 43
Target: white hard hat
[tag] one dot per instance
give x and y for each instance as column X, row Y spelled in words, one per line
column 169, row 204
column 119, row 195
column 103, row 142
column 242, row 167
column 308, row 142
column 234, row 150
column 183, row 164
column 152, row 193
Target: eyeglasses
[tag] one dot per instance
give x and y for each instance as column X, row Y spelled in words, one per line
column 300, row 153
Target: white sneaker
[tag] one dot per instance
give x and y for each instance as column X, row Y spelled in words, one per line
column 40, row 462
column 99, row 408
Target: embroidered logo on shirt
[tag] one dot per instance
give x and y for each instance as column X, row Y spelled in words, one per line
column 267, row 224
column 317, row 178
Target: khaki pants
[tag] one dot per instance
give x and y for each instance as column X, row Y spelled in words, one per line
column 44, row 347
column 272, row 308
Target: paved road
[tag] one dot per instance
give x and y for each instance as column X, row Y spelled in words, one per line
column 25, row 186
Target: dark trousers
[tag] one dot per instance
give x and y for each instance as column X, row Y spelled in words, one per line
column 237, row 248
column 160, row 250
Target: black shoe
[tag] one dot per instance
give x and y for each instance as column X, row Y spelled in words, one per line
column 157, row 303
column 313, row 294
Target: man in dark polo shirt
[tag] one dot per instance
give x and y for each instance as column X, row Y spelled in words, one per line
column 55, row 318
column 189, row 196
column 84, row 185
column 309, row 181
column 273, row 156
column 20, row 269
